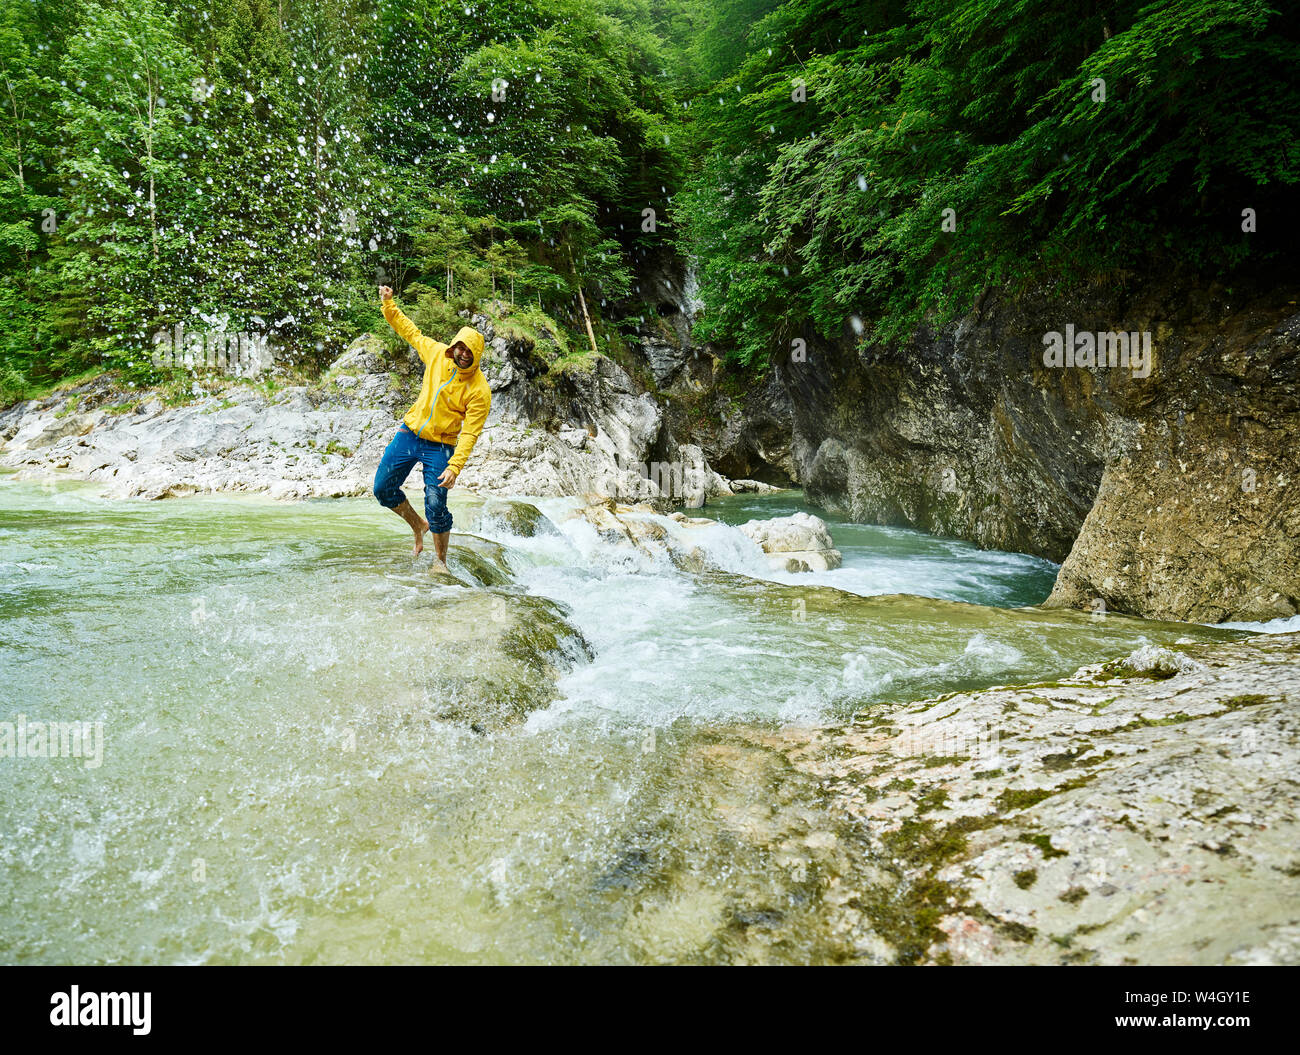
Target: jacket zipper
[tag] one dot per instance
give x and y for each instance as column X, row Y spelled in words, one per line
column 433, row 405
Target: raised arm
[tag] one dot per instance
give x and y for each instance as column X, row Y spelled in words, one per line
column 425, row 347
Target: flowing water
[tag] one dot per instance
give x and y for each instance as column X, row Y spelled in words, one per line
column 276, row 787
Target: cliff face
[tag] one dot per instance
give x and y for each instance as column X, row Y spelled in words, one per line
column 744, row 427
column 1171, row 495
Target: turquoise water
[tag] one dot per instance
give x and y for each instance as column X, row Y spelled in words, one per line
column 899, row 560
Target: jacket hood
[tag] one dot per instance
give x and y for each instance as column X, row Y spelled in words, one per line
column 473, row 340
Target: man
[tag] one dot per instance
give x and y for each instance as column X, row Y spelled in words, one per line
column 439, row 431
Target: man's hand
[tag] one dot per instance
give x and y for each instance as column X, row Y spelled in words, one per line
column 385, row 293
column 448, row 478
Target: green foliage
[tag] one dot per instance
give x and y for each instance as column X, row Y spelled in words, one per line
column 262, row 165
column 829, row 213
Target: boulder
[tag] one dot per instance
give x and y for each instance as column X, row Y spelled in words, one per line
column 518, row 518
column 797, row 543
column 495, row 654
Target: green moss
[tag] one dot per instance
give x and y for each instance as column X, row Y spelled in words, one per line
column 944, row 760
column 1248, row 700
column 1043, row 842
column 1017, row 931
column 1023, row 798
column 934, row 800
column 1066, row 759
column 900, row 785
column 1026, row 878
column 1007, row 928
column 1074, row 895
column 906, row 914
column 69, row 406
column 1144, row 723
column 1119, row 668
column 988, row 774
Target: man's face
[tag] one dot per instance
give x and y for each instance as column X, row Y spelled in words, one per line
column 462, row 356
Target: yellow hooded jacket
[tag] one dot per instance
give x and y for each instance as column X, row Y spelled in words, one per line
column 453, row 403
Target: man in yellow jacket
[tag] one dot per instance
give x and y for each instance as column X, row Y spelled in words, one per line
column 439, row 431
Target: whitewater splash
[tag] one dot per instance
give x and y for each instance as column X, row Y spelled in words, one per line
column 729, row 638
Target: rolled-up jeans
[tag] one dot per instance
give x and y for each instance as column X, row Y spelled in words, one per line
column 404, row 450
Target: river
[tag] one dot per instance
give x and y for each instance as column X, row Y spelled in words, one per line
column 275, row 789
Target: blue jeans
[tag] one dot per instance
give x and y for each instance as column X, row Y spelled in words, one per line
column 404, row 450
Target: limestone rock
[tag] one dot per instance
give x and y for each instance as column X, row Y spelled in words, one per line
column 797, row 543
column 1170, row 496
column 551, row 432
column 1143, row 820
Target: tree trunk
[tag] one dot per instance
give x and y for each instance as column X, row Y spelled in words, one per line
column 153, row 201
column 582, row 302
column 587, row 319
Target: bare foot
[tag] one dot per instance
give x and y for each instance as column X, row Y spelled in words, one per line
column 438, row 568
column 419, row 536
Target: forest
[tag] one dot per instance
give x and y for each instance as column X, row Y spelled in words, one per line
column 833, row 167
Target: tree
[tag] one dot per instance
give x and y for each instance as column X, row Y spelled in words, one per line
column 128, row 79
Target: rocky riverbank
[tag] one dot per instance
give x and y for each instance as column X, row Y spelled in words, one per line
column 583, row 427
column 1170, row 495
column 1140, row 812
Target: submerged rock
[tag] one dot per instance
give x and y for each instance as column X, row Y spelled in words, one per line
column 469, row 559
column 518, row 518
column 500, row 656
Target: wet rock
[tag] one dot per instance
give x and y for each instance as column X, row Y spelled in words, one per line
column 1095, row 820
column 505, row 653
column 475, row 559
column 1161, row 662
column 751, row 487
column 518, row 518
column 797, row 543
column 641, row 529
